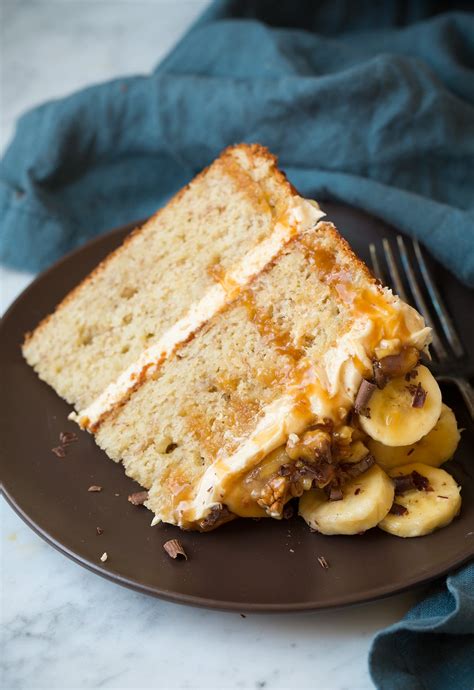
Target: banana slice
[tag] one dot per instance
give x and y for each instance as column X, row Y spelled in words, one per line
column 366, row 500
column 426, row 510
column 393, row 420
column 433, row 449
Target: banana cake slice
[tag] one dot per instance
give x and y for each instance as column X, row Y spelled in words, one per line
column 233, row 354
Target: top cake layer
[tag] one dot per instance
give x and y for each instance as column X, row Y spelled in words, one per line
column 141, row 290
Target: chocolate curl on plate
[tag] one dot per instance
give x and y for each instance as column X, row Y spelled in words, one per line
column 67, row 437
column 323, row 562
column 174, row 549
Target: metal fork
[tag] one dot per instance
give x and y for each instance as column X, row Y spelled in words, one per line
column 447, row 363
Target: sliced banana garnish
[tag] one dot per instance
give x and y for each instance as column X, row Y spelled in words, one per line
column 433, row 449
column 366, row 500
column 393, row 420
column 423, row 511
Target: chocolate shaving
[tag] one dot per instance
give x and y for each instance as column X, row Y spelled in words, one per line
column 216, row 516
column 398, row 509
column 393, row 366
column 403, row 483
column 411, row 374
column 59, row 451
column 410, row 482
column 334, row 492
column 412, row 450
column 67, row 437
column 99, row 531
column 322, row 472
column 171, row 447
column 438, row 496
column 357, row 491
column 174, row 549
column 419, row 397
column 363, row 396
column 242, row 615
column 94, row 488
column 138, row 498
column 380, row 378
column 421, row 482
column 323, row 562
column 355, row 469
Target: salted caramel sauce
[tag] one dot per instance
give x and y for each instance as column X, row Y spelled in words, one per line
column 279, row 339
column 216, row 271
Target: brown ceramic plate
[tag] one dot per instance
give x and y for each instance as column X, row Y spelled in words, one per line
column 245, row 565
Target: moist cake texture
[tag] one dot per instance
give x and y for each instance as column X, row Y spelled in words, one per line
column 150, row 282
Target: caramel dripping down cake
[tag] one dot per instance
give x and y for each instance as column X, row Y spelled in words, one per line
column 235, row 385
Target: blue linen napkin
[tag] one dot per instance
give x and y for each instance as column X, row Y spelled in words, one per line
column 368, row 103
column 432, row 648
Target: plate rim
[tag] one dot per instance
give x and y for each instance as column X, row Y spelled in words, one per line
column 229, row 606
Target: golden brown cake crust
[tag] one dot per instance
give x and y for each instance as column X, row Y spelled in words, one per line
column 228, row 162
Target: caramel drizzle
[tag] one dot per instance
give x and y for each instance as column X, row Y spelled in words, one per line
column 279, row 339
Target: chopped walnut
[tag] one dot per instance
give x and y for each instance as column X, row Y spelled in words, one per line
column 273, row 494
column 315, row 443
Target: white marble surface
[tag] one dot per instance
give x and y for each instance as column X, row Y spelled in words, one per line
column 64, row 627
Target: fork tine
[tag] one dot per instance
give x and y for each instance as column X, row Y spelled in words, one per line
column 438, row 346
column 375, row 263
column 438, row 304
column 393, row 270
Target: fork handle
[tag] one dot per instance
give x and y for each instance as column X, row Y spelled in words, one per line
column 465, row 388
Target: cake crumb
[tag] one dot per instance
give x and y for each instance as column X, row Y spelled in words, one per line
column 104, row 557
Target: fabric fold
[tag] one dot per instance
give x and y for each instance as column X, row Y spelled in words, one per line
column 381, row 118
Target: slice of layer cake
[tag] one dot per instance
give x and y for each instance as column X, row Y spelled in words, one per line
column 235, row 354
